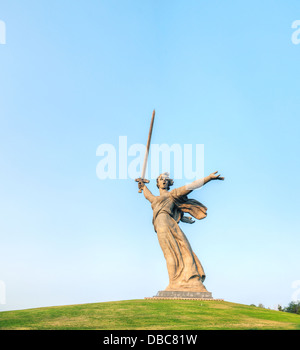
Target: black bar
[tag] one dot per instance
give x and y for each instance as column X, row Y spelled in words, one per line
column 56, row 339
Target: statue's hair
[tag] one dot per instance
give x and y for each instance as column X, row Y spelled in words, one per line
column 166, row 176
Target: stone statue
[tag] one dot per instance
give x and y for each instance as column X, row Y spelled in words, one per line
column 185, row 271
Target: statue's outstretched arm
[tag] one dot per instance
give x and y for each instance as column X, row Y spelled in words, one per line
column 184, row 190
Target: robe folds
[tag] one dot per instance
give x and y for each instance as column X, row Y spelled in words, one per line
column 184, row 268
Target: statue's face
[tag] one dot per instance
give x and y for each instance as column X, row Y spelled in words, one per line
column 163, row 183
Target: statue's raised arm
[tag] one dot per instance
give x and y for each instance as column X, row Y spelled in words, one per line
column 147, row 193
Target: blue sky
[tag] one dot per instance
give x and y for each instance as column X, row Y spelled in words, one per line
column 75, row 75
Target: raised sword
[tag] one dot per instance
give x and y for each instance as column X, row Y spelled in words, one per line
column 142, row 178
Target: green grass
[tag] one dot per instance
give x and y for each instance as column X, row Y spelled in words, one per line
column 150, row 314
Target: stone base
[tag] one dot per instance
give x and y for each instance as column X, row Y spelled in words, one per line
column 164, row 294
column 183, row 294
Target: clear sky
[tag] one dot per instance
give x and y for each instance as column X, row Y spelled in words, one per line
column 78, row 74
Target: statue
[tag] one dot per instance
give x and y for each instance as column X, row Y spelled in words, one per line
column 184, row 268
column 186, row 274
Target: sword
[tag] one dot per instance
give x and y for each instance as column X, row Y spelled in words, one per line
column 142, row 178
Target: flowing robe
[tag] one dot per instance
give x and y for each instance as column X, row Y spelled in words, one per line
column 184, row 268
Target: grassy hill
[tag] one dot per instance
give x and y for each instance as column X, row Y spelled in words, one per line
column 150, row 314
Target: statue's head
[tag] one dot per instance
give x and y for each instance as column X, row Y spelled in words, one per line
column 163, row 181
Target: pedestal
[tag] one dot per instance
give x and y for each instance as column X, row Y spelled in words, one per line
column 183, row 295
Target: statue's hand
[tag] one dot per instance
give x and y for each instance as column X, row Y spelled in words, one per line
column 214, row 176
column 141, row 185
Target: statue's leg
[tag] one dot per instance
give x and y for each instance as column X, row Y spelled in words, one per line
column 199, row 267
column 171, row 253
column 182, row 264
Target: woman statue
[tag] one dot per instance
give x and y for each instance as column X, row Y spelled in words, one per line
column 184, row 268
